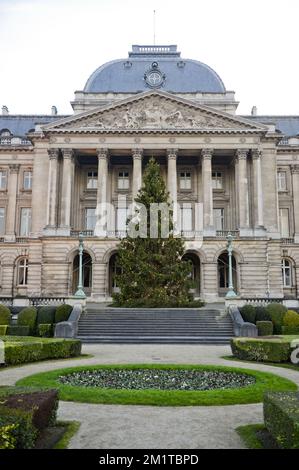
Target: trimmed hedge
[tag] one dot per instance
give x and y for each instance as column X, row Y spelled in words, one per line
column 27, row 317
column 16, row 429
column 45, row 330
column 46, row 315
column 261, row 350
column 277, row 313
column 281, row 415
column 4, row 315
column 290, row 330
column 248, row 313
column 15, row 330
column 265, row 328
column 3, row 330
column 291, row 318
column 63, row 312
column 261, row 314
column 38, row 349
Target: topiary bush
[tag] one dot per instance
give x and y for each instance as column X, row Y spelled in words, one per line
column 262, row 349
column 248, row 313
column 261, row 314
column 28, row 317
column 45, row 330
column 16, row 429
column 46, row 314
column 16, row 330
column 4, row 315
column 281, row 415
column 63, row 312
column 277, row 313
column 3, row 330
column 290, row 330
column 265, row 328
column 291, row 318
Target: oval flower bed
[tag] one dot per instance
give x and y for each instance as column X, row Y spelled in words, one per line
column 163, row 385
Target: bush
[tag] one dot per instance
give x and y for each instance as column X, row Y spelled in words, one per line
column 248, row 313
column 16, row 429
column 277, row 313
column 63, row 312
column 46, row 315
column 261, row 314
column 15, row 330
column 291, row 318
column 4, row 315
column 45, row 330
column 290, row 330
column 261, row 350
column 281, row 415
column 265, row 328
column 3, row 330
column 27, row 317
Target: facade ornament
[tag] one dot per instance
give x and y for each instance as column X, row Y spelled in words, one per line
column 207, row 154
column 103, row 154
column 153, row 77
column 256, row 154
column 14, row 168
column 241, row 154
column 172, row 154
column 53, row 154
column 67, row 153
column 137, row 154
column 294, row 169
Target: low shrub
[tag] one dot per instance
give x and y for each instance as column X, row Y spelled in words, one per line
column 291, row 318
column 4, row 315
column 45, row 330
column 3, row 330
column 46, row 315
column 248, row 313
column 277, row 313
column 261, row 314
column 27, row 317
column 265, row 328
column 261, row 350
column 281, row 415
column 16, row 429
column 290, row 330
column 16, row 330
column 63, row 312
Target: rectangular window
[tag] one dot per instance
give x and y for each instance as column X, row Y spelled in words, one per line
column 185, row 180
column 27, row 180
column 284, row 223
column 25, row 226
column 2, row 220
column 186, row 218
column 92, row 180
column 123, row 180
column 217, row 180
column 218, row 219
column 281, row 181
column 121, row 221
column 90, row 218
column 3, row 180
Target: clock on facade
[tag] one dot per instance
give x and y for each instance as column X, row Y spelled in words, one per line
column 154, row 78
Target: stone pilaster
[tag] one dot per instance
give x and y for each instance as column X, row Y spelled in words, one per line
column 12, row 190
column 295, row 185
column 242, row 195
column 66, row 191
column 137, row 172
column 258, row 204
column 207, row 192
column 172, row 184
column 52, row 190
column 102, row 210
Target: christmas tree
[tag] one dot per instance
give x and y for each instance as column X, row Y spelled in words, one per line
column 151, row 272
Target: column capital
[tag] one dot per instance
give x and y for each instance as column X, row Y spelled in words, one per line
column 103, row 154
column 67, row 153
column 256, row 154
column 172, row 154
column 241, row 154
column 207, row 153
column 14, row 168
column 137, row 154
column 295, row 169
column 53, row 154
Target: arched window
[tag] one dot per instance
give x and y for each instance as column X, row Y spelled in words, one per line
column 287, row 275
column 22, row 272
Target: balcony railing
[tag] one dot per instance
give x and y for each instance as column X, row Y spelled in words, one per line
column 21, row 240
column 287, row 241
column 224, row 233
column 85, row 233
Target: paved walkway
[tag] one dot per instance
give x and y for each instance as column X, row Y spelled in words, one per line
column 119, row 426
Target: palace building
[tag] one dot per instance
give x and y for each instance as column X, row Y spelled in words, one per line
column 243, row 170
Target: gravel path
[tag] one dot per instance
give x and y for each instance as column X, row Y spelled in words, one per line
column 119, row 426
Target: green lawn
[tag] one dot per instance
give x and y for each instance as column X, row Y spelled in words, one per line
column 249, row 394
column 249, row 435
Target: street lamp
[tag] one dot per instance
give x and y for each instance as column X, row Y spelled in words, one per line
column 80, row 292
column 231, row 293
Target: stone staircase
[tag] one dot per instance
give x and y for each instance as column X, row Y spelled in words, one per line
column 160, row 326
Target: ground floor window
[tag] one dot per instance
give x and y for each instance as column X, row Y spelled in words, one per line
column 223, row 272
column 87, row 273
column 22, row 272
column 287, row 273
column 195, row 270
column 114, row 270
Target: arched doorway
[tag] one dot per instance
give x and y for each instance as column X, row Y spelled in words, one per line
column 87, row 273
column 223, row 275
column 113, row 270
column 195, row 271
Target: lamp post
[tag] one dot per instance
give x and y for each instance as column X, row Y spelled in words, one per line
column 231, row 293
column 80, row 292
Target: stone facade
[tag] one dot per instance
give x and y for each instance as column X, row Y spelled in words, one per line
column 236, row 171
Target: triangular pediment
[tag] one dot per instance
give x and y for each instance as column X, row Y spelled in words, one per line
column 153, row 111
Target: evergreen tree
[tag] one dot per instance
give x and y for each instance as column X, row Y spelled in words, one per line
column 151, row 272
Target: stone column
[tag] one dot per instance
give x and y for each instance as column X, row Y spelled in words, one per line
column 12, row 189
column 207, row 192
column 243, row 200
column 102, row 211
column 52, row 189
column 172, row 184
column 295, row 185
column 258, row 210
column 137, row 172
column 66, row 191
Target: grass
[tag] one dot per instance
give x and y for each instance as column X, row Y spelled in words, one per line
column 250, row 394
column 249, row 436
column 275, row 364
column 71, row 429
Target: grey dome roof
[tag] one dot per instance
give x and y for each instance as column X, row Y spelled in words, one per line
column 179, row 75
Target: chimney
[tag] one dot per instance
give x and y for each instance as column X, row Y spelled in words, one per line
column 5, row 111
column 54, row 111
column 254, row 111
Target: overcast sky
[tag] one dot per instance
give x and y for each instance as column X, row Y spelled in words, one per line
column 48, row 48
